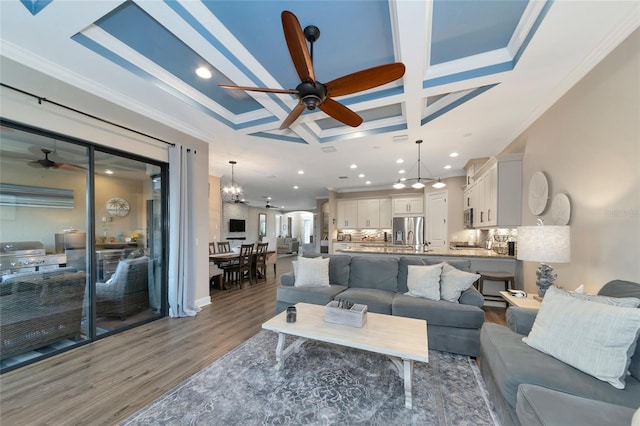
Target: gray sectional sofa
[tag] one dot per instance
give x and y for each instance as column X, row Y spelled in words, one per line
column 380, row 283
column 529, row 387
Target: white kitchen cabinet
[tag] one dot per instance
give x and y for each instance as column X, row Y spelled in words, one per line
column 386, row 216
column 347, row 214
column 496, row 195
column 408, row 206
column 369, row 214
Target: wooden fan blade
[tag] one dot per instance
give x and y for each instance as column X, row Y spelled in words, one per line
column 293, row 116
column 297, row 47
column 340, row 112
column 259, row 89
column 365, row 79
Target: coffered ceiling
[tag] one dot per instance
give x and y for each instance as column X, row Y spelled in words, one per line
column 477, row 74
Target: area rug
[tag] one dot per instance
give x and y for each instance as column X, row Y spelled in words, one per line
column 322, row 384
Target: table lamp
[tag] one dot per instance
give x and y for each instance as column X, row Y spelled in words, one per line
column 544, row 244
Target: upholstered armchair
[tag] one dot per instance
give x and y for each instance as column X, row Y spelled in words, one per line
column 127, row 291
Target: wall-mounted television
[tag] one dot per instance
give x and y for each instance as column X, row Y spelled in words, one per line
column 236, row 225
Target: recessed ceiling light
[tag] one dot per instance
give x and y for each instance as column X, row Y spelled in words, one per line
column 403, row 179
column 399, row 161
column 368, row 182
column 203, row 72
column 295, row 187
column 401, row 171
column 448, row 166
column 354, row 166
column 300, row 172
column 109, row 171
column 361, row 175
column 453, row 154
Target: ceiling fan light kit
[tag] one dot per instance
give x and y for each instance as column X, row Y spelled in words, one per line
column 313, row 94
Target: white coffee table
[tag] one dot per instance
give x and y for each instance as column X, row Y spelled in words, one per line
column 403, row 340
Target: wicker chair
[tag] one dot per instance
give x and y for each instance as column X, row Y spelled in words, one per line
column 127, row 291
column 40, row 309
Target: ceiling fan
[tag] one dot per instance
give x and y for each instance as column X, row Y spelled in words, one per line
column 313, row 94
column 43, row 163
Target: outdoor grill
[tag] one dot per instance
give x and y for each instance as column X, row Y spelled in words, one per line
column 28, row 256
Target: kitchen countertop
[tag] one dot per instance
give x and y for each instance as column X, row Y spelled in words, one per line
column 389, row 249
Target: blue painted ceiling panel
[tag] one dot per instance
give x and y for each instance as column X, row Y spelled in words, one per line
column 388, row 111
column 264, row 38
column 128, row 22
column 464, row 28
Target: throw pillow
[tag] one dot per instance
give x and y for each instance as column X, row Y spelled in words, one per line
column 595, row 338
column 310, row 272
column 454, row 281
column 424, row 281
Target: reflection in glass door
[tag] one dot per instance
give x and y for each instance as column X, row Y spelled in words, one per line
column 128, row 247
column 82, row 243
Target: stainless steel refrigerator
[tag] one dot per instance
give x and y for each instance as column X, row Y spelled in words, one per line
column 408, row 231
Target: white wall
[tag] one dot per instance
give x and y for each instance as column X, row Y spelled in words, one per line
column 588, row 144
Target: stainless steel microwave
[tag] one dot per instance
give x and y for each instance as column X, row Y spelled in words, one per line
column 468, row 218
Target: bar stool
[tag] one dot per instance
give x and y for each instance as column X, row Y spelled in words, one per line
column 506, row 277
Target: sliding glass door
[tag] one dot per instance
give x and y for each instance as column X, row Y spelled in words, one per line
column 82, row 243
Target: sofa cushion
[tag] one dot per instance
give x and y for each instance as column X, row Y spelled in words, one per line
column 539, row 406
column 379, row 273
column 377, row 301
column 339, row 267
column 315, row 295
column 403, row 271
column 454, row 281
column 596, row 338
column 424, row 281
column 437, row 312
column 620, row 288
column 512, row 363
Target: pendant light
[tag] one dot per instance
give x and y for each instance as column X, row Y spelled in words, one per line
column 232, row 192
column 419, row 181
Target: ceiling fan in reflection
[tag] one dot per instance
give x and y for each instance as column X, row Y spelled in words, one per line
column 36, row 160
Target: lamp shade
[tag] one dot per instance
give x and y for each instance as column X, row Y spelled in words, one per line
column 545, row 244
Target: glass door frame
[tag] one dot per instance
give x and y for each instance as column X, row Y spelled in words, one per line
column 90, row 209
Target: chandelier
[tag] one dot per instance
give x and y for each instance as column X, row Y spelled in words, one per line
column 419, row 182
column 232, row 192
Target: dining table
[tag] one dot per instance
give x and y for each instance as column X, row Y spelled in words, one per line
column 220, row 258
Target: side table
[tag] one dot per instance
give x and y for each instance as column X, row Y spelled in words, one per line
column 521, row 302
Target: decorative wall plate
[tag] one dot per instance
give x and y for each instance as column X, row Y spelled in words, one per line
column 560, row 210
column 117, row 207
column 538, row 193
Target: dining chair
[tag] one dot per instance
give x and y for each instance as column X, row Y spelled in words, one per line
column 261, row 261
column 212, row 248
column 241, row 270
column 224, row 247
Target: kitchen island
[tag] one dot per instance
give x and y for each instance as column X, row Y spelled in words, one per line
column 481, row 260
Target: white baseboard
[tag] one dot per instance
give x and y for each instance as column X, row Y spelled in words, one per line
column 203, row 301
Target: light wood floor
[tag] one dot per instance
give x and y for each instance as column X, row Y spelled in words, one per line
column 105, row 382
